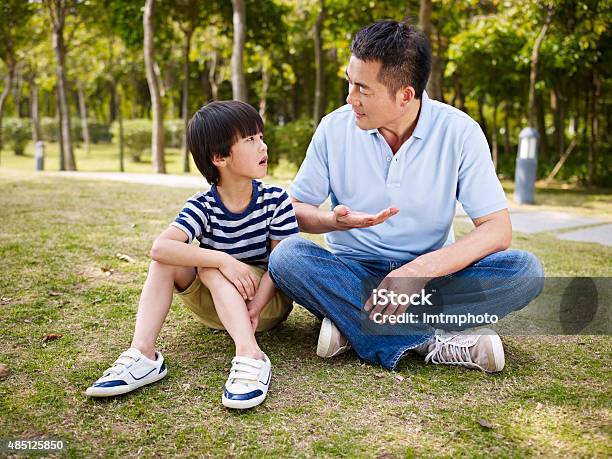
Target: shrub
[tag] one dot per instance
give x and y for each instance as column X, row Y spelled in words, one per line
column 98, row 132
column 136, row 136
column 173, row 133
column 289, row 141
column 16, row 133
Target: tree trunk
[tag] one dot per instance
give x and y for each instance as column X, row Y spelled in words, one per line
column 541, row 123
column 185, row 102
column 60, row 135
column 212, row 75
column 117, row 100
column 434, row 88
column 265, row 85
column 239, row 89
column 60, row 54
column 319, row 99
column 557, row 104
column 8, row 82
column 494, row 146
column 425, row 18
column 34, row 113
column 507, row 118
column 533, row 75
column 594, row 129
column 481, row 115
column 83, row 114
column 157, row 137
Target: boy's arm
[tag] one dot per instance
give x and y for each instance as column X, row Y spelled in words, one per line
column 170, row 248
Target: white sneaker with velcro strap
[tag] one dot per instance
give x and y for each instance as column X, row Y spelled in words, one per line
column 248, row 382
column 130, row 371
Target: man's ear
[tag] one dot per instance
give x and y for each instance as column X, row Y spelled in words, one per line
column 406, row 95
column 218, row 160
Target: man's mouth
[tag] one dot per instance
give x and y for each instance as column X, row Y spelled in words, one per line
column 358, row 115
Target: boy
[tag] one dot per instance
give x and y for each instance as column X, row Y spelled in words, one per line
column 224, row 280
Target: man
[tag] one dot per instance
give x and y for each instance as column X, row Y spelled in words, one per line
column 394, row 163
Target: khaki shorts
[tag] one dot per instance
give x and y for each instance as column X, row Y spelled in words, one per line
column 198, row 299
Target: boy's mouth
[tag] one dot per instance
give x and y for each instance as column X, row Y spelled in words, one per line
column 264, row 161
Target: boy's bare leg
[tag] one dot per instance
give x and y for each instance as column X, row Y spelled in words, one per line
column 155, row 301
column 232, row 312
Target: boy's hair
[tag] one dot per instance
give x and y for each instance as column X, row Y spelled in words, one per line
column 404, row 54
column 217, row 126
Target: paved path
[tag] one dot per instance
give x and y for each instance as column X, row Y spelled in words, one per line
column 583, row 229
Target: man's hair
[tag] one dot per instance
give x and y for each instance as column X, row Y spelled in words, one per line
column 404, row 54
column 217, row 126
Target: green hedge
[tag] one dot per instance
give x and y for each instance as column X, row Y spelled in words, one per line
column 16, row 133
column 289, row 141
column 98, row 132
column 137, row 135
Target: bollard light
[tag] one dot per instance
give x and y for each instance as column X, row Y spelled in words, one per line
column 526, row 166
column 39, row 155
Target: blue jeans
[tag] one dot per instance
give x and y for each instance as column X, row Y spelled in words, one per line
column 331, row 286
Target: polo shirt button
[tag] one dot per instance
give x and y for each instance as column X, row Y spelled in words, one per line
column 388, row 159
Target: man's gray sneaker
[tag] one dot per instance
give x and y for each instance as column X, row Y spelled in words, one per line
column 482, row 351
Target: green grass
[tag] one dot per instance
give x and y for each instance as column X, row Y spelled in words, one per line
column 58, row 234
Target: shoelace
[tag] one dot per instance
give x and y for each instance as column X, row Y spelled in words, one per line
column 123, row 362
column 245, row 371
column 449, row 353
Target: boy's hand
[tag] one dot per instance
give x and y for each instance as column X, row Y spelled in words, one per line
column 254, row 309
column 239, row 274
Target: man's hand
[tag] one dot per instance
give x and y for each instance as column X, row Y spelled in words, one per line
column 403, row 280
column 239, row 274
column 345, row 218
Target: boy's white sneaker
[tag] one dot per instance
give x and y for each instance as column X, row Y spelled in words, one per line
column 130, row 371
column 248, row 382
column 331, row 341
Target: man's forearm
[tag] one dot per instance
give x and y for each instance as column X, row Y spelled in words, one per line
column 489, row 237
column 180, row 254
column 313, row 220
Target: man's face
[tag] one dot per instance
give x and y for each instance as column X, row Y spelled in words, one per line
column 372, row 105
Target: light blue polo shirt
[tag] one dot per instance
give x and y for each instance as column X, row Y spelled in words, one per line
column 446, row 159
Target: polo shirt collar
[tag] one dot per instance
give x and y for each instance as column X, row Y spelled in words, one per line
column 424, row 122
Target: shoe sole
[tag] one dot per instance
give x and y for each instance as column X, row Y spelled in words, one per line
column 497, row 350
column 243, row 404
column 119, row 390
column 324, row 343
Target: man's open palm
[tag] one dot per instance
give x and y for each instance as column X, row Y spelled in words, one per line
column 348, row 219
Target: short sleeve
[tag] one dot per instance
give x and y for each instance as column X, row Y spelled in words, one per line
column 311, row 184
column 192, row 219
column 478, row 188
column 283, row 222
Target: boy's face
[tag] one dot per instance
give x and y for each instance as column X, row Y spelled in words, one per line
column 248, row 158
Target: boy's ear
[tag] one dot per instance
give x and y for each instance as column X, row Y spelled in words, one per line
column 218, row 160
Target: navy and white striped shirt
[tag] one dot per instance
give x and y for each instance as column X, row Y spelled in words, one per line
column 245, row 235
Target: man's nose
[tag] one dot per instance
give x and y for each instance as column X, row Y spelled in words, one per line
column 351, row 99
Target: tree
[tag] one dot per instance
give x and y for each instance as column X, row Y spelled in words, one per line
column 239, row 88
column 319, row 103
column 157, row 137
column 13, row 34
column 58, row 11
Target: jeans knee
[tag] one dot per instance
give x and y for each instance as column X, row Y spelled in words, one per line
column 531, row 266
column 285, row 254
column 531, row 273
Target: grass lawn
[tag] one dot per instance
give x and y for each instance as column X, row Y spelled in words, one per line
column 60, row 240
